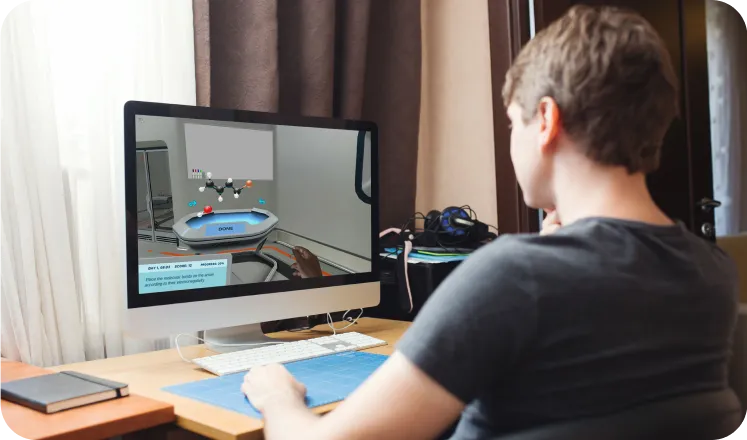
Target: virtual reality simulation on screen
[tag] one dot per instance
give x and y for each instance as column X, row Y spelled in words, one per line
column 230, row 203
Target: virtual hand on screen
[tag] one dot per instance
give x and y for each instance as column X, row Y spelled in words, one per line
column 551, row 223
column 307, row 264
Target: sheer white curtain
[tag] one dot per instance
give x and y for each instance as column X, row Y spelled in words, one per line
column 67, row 70
column 727, row 70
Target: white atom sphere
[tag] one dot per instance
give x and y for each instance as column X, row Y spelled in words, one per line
column 210, row 175
column 220, row 198
column 202, row 189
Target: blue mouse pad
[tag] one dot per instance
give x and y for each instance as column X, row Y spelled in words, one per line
column 328, row 379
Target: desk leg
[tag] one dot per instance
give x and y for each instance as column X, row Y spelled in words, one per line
column 163, row 432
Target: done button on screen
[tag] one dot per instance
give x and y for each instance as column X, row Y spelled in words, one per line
column 182, row 273
column 217, row 229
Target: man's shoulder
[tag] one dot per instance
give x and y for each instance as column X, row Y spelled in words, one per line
column 500, row 269
column 527, row 252
column 577, row 248
column 515, row 264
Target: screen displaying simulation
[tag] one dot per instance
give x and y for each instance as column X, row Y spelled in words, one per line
column 226, row 203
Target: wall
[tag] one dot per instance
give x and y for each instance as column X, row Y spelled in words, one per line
column 456, row 156
column 185, row 190
column 316, row 187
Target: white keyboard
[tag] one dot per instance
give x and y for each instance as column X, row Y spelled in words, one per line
column 244, row 360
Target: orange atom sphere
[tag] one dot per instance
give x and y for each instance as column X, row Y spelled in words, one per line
column 249, row 183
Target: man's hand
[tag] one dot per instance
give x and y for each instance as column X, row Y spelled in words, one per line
column 272, row 384
column 399, row 401
column 551, row 223
column 307, row 264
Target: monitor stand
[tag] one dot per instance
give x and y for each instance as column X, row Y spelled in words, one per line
column 242, row 334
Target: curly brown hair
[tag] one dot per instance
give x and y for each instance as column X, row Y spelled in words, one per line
column 612, row 79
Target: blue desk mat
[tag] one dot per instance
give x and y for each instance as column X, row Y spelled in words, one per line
column 328, row 379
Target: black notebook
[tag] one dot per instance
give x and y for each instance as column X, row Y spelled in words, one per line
column 51, row 393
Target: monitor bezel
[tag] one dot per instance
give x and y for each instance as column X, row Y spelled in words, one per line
column 132, row 109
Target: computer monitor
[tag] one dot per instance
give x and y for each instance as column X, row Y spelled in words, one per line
column 220, row 203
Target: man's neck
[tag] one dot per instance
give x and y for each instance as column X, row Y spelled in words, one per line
column 606, row 192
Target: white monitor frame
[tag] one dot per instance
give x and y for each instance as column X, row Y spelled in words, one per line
column 165, row 320
column 169, row 313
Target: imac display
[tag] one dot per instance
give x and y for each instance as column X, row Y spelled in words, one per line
column 227, row 208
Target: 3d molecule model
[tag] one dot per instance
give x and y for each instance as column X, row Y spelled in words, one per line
column 220, row 188
column 207, row 210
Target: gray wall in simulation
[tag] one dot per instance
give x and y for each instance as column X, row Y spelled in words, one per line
column 316, row 187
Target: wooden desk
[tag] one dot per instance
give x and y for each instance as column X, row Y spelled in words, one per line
column 147, row 373
column 102, row 420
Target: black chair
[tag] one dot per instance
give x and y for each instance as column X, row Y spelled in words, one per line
column 704, row 416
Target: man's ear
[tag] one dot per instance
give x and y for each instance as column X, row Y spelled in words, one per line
column 548, row 115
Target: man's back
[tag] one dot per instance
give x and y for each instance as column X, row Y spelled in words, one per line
column 603, row 315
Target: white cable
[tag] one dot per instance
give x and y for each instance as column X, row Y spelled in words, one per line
column 217, row 344
column 350, row 320
column 407, row 248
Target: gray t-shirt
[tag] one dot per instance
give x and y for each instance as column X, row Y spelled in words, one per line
column 602, row 315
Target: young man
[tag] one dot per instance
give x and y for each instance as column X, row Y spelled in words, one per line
column 620, row 306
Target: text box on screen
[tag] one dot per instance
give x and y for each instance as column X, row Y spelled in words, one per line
column 167, row 274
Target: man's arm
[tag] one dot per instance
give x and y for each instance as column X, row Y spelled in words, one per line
column 470, row 333
column 398, row 401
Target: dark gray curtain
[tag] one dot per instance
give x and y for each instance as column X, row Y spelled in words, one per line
column 353, row 59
